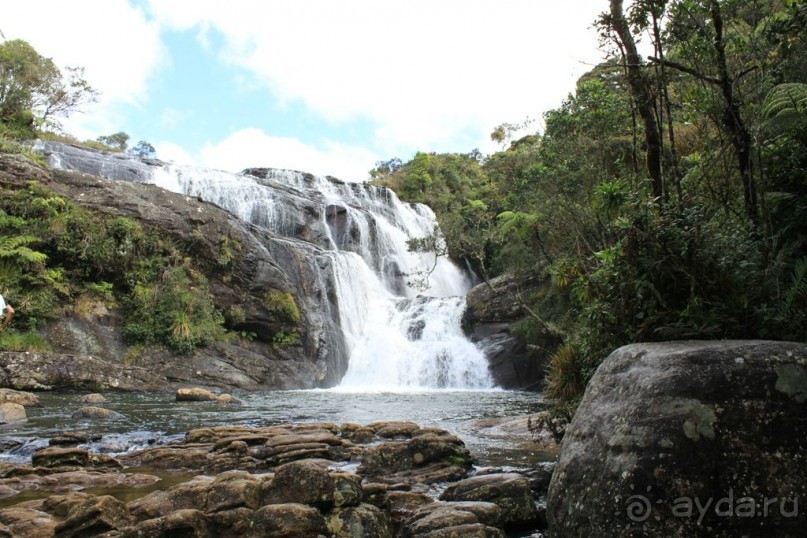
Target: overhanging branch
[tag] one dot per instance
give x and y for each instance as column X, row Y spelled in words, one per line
column 695, row 73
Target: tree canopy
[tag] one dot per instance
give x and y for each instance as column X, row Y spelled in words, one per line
column 34, row 92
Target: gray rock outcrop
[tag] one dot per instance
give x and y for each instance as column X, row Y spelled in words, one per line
column 49, row 371
column 687, row 439
column 493, row 309
column 263, row 264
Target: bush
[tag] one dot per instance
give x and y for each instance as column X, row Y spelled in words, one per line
column 282, row 305
column 176, row 310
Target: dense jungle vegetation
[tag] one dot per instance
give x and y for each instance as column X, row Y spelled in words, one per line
column 665, row 198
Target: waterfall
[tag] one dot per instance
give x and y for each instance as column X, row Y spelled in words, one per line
column 398, row 336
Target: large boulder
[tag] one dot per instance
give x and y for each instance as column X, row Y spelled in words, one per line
column 687, row 439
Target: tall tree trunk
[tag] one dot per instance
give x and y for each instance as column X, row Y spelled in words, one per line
column 667, row 108
column 732, row 120
column 641, row 91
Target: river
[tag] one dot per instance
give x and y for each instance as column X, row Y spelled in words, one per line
column 155, row 417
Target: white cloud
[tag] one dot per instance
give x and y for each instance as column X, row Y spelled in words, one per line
column 434, row 76
column 250, row 148
column 171, row 152
column 423, row 71
column 112, row 40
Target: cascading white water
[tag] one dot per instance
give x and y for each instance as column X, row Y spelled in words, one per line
column 398, row 337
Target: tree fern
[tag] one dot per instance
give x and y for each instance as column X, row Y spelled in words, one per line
column 15, row 248
column 784, row 106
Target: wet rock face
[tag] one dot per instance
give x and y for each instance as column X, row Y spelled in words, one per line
column 493, row 310
column 666, row 428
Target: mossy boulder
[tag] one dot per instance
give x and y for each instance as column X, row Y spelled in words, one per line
column 666, row 428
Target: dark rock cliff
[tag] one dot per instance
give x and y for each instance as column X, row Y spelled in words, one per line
column 494, row 309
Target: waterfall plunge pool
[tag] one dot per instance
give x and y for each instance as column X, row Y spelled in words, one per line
column 156, row 418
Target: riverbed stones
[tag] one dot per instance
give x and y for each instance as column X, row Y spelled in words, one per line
column 188, row 495
column 428, row 458
column 436, row 516
column 25, row 399
column 60, row 457
column 68, row 439
column 96, row 413
column 234, row 489
column 198, row 394
column 355, row 521
column 28, row 522
column 511, row 492
column 93, row 398
column 310, row 482
column 288, row 519
column 306, row 497
column 93, row 516
column 664, row 427
column 11, row 412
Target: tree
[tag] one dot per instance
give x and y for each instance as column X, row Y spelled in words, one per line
column 711, row 45
column 144, row 150
column 34, row 90
column 642, row 93
column 117, row 141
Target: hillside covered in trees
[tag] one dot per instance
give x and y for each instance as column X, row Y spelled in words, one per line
column 665, row 198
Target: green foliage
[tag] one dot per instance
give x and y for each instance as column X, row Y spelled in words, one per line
column 229, row 252
column 26, row 341
column 283, row 339
column 282, row 305
column 117, row 141
column 34, row 91
column 565, row 377
column 786, row 103
column 175, row 309
column 574, row 204
column 54, row 253
column 144, row 150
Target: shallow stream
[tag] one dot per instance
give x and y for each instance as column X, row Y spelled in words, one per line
column 150, row 418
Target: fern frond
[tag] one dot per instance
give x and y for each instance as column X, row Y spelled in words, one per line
column 784, row 106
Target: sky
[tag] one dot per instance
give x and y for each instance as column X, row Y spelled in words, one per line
column 327, row 87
